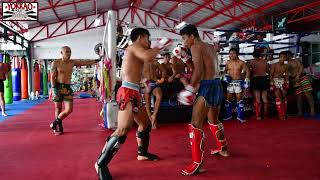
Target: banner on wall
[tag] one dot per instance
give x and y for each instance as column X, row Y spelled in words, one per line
column 19, row 11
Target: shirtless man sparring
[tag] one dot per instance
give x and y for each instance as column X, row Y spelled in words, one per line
column 182, row 65
column 61, row 70
column 150, row 74
column 279, row 83
column 234, row 69
column 301, row 84
column 207, row 101
column 259, row 83
column 129, row 101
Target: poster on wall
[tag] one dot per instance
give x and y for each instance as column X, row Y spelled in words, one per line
column 19, row 11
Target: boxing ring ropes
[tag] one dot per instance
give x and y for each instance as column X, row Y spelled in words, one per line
column 110, row 49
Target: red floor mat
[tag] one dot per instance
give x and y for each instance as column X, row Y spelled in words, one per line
column 259, row 149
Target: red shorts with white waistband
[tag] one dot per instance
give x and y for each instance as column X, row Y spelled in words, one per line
column 126, row 95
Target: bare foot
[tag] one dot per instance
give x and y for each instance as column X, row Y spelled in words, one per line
column 224, row 153
column 4, row 114
column 148, row 157
column 58, row 133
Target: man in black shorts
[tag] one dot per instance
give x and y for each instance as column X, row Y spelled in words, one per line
column 260, row 83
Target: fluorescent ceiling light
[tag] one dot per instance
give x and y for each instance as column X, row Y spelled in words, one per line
column 181, row 25
column 96, row 22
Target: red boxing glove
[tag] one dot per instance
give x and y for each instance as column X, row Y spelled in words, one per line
column 187, row 96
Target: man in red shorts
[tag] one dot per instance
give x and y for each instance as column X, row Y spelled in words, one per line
column 129, row 100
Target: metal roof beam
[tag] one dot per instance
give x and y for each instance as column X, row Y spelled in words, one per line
column 54, row 11
column 218, row 12
column 63, row 4
column 154, row 4
column 75, row 8
column 113, row 4
column 250, row 13
column 197, row 9
column 172, row 9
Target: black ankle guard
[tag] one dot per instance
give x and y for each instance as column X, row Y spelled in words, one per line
column 104, row 173
column 55, row 123
column 145, row 138
column 114, row 143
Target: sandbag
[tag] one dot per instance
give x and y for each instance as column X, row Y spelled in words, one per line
column 110, row 115
column 8, row 94
column 24, row 78
column 36, row 78
column 44, row 83
column 16, row 84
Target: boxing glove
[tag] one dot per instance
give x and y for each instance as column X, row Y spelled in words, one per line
column 163, row 43
column 181, row 53
column 246, row 84
column 177, row 52
column 187, row 96
column 226, row 78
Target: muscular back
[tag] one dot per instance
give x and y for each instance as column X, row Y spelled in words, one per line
column 234, row 68
column 258, row 67
column 209, row 60
column 132, row 66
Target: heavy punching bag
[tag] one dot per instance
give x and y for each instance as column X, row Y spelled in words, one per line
column 8, row 94
column 44, row 81
column 16, row 79
column 41, row 79
column 36, row 80
column 24, row 78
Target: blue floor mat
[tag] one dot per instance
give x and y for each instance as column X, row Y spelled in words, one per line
column 18, row 107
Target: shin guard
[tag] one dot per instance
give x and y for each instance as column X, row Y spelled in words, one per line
column 196, row 141
column 240, row 111
column 228, row 113
column 257, row 109
column 145, row 139
column 221, row 142
column 280, row 108
column 113, row 145
column 55, row 123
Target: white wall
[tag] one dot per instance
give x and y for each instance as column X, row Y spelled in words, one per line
column 81, row 44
